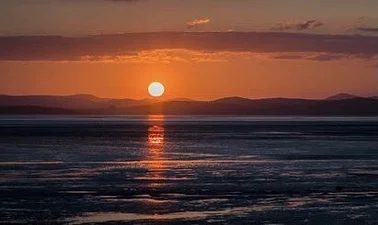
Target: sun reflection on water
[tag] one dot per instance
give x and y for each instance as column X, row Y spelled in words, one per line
column 156, row 142
column 156, row 137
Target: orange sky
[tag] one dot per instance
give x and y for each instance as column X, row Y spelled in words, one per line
column 238, row 76
column 199, row 49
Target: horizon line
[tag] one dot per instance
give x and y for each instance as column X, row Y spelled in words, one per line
column 163, row 99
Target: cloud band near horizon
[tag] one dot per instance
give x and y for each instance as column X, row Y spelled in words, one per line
column 58, row 48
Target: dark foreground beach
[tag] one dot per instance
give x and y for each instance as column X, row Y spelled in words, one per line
column 188, row 170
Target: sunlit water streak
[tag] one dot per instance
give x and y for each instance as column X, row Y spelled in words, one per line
column 185, row 170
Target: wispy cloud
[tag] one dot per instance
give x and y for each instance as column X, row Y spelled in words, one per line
column 162, row 56
column 298, row 25
column 185, row 55
column 197, row 22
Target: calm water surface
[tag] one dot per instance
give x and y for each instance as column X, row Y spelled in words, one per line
column 188, row 170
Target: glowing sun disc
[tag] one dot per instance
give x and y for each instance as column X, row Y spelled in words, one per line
column 156, row 89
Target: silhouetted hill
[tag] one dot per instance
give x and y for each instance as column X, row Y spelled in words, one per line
column 27, row 110
column 273, row 107
column 342, row 96
column 182, row 100
column 233, row 100
column 82, row 104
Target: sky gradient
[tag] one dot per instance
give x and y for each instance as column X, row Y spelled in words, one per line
column 200, row 49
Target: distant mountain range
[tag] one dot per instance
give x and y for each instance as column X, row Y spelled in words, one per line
column 344, row 96
column 338, row 105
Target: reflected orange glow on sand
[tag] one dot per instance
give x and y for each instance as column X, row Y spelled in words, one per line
column 156, row 166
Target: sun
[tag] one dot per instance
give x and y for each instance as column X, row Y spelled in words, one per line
column 156, row 89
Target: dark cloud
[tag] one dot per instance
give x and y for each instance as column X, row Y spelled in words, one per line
column 298, row 25
column 287, row 56
column 326, row 57
column 119, row 0
column 309, row 24
column 115, row 1
column 367, row 29
column 321, row 57
column 125, row 0
column 24, row 48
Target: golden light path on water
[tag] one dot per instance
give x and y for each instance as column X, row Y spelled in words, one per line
column 156, row 142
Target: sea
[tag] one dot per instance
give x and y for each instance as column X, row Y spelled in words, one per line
column 188, row 170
